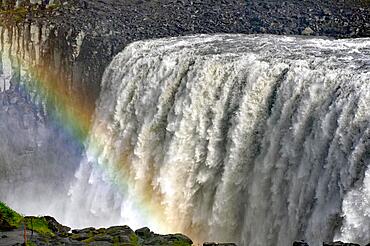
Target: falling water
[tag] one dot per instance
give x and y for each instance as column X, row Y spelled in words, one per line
column 38, row 157
column 251, row 139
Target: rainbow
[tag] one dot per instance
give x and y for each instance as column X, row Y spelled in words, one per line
column 72, row 114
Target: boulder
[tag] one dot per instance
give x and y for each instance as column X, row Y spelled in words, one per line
column 104, row 238
column 85, row 230
column 308, row 31
column 120, row 231
column 143, row 232
column 300, row 243
column 123, row 239
column 80, row 236
column 339, row 243
column 4, row 224
column 55, row 227
column 178, row 238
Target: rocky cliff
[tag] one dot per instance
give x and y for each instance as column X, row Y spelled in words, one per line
column 15, row 229
column 103, row 28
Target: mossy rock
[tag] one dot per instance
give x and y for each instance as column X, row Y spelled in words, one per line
column 81, row 236
column 5, row 226
column 56, row 227
column 134, row 240
column 144, row 232
column 39, row 225
column 9, row 219
column 88, row 230
column 119, row 230
column 50, row 232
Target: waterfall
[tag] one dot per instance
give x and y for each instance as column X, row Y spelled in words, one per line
column 38, row 156
column 258, row 139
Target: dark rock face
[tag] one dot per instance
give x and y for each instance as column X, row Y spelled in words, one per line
column 338, row 243
column 148, row 237
column 124, row 234
column 36, row 150
column 109, row 25
column 143, row 232
column 47, row 231
column 300, row 243
column 56, row 227
column 116, row 235
column 120, row 230
column 5, row 226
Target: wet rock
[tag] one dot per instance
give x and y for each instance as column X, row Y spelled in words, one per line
column 101, row 244
column 105, row 238
column 143, row 232
column 339, row 243
column 123, row 239
column 56, row 227
column 85, row 230
column 80, row 236
column 146, row 237
column 119, row 231
column 4, row 224
column 178, row 238
column 300, row 243
column 308, row 31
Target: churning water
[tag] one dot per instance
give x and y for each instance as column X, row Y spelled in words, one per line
column 259, row 140
column 256, row 139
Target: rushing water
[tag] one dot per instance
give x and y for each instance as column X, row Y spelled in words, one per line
column 253, row 139
column 38, row 157
column 259, row 140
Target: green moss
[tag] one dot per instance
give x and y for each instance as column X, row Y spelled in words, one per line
column 180, row 243
column 29, row 243
column 39, row 225
column 17, row 11
column 54, row 6
column 16, row 15
column 116, row 241
column 134, row 240
column 89, row 240
column 9, row 215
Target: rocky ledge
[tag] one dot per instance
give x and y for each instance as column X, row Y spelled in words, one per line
column 337, row 243
column 107, row 26
column 45, row 230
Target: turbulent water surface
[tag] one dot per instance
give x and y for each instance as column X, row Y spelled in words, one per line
column 253, row 139
column 259, row 140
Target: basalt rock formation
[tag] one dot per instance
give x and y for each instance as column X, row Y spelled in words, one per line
column 107, row 26
column 47, row 231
